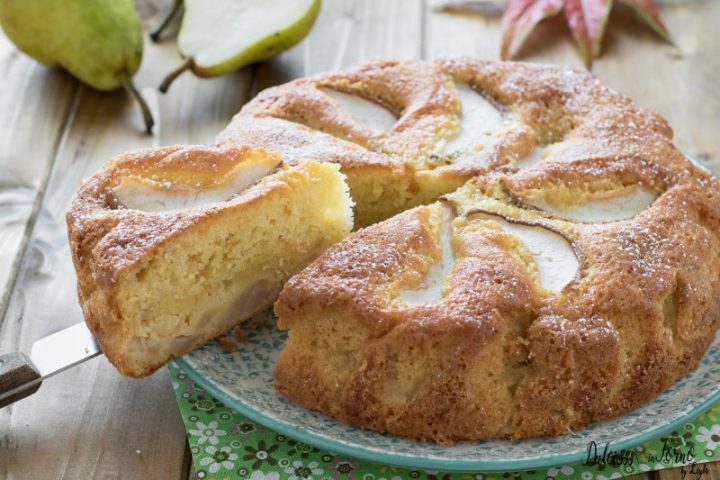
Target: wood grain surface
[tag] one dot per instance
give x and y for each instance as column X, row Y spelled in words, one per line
column 92, row 423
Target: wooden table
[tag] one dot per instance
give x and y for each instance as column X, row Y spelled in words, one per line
column 92, row 423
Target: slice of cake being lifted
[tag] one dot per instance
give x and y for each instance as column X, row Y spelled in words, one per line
column 173, row 246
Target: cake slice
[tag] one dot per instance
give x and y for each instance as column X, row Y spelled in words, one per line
column 173, row 246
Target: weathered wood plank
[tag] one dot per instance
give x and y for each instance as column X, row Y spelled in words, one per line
column 348, row 32
column 714, row 471
column 34, row 103
column 640, row 476
column 679, row 82
column 90, row 422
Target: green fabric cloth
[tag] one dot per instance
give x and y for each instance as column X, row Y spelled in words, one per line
column 227, row 445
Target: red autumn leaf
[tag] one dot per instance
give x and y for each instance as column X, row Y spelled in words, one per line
column 520, row 18
column 649, row 13
column 587, row 19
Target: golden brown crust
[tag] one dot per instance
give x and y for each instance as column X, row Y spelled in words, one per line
column 498, row 355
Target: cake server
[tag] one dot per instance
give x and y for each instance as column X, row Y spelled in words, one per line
column 21, row 376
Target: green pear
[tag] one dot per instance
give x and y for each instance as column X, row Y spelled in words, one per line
column 220, row 36
column 99, row 42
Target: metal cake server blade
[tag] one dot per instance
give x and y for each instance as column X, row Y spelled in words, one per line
column 64, row 349
column 21, row 376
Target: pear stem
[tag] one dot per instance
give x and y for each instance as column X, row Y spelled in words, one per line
column 174, row 74
column 157, row 31
column 147, row 114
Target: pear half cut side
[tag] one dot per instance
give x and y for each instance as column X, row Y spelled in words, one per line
column 368, row 113
column 148, row 195
column 616, row 208
column 226, row 35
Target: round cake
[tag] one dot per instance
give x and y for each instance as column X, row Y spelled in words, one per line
column 572, row 279
column 537, row 254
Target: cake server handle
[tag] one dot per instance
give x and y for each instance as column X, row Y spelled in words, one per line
column 21, row 376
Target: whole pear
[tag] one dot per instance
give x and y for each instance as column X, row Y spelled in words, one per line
column 99, row 42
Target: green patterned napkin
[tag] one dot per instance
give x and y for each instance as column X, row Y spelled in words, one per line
column 227, row 445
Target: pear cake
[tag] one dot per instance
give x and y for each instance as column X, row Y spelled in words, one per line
column 571, row 279
column 175, row 245
column 536, row 253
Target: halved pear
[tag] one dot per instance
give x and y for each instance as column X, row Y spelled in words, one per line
column 224, row 35
column 626, row 205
